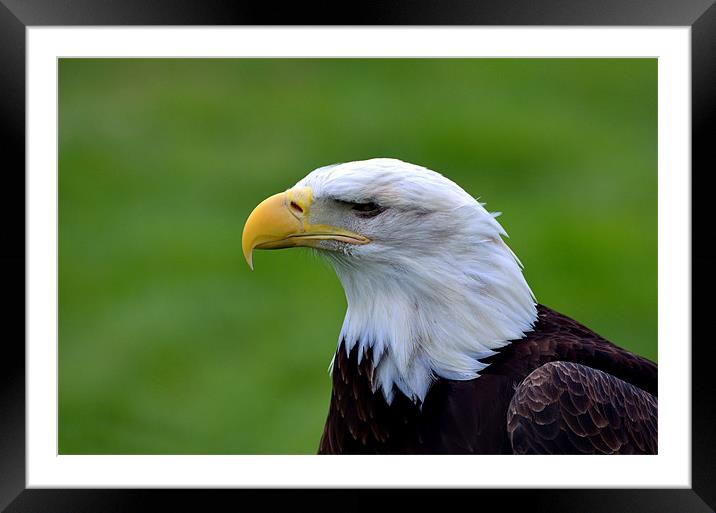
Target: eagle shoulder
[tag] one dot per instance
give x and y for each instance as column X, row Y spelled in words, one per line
column 568, row 408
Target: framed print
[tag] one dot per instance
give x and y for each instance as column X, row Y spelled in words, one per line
column 162, row 357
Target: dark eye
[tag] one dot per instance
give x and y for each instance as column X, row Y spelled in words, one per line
column 367, row 209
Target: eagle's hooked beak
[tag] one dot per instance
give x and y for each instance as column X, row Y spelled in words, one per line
column 282, row 221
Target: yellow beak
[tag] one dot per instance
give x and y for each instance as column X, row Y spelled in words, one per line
column 281, row 221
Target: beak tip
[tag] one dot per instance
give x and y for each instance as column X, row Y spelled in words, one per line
column 248, row 252
column 249, row 259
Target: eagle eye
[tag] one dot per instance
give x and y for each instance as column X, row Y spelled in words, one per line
column 364, row 207
column 367, row 209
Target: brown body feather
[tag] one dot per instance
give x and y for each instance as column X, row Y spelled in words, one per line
column 602, row 400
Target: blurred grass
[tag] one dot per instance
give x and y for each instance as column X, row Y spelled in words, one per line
column 169, row 345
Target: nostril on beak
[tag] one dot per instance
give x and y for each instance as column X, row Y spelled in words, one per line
column 296, row 207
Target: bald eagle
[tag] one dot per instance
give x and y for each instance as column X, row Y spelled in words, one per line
column 444, row 349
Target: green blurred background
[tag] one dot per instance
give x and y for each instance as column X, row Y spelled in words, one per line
column 168, row 344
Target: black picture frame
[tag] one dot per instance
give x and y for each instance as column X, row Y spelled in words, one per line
column 17, row 15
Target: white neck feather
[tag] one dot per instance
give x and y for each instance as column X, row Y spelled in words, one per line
column 435, row 308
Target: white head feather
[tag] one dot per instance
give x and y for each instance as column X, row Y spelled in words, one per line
column 437, row 289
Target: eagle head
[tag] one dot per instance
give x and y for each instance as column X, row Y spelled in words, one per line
column 430, row 284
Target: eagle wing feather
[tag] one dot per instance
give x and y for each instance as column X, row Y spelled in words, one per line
column 569, row 408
